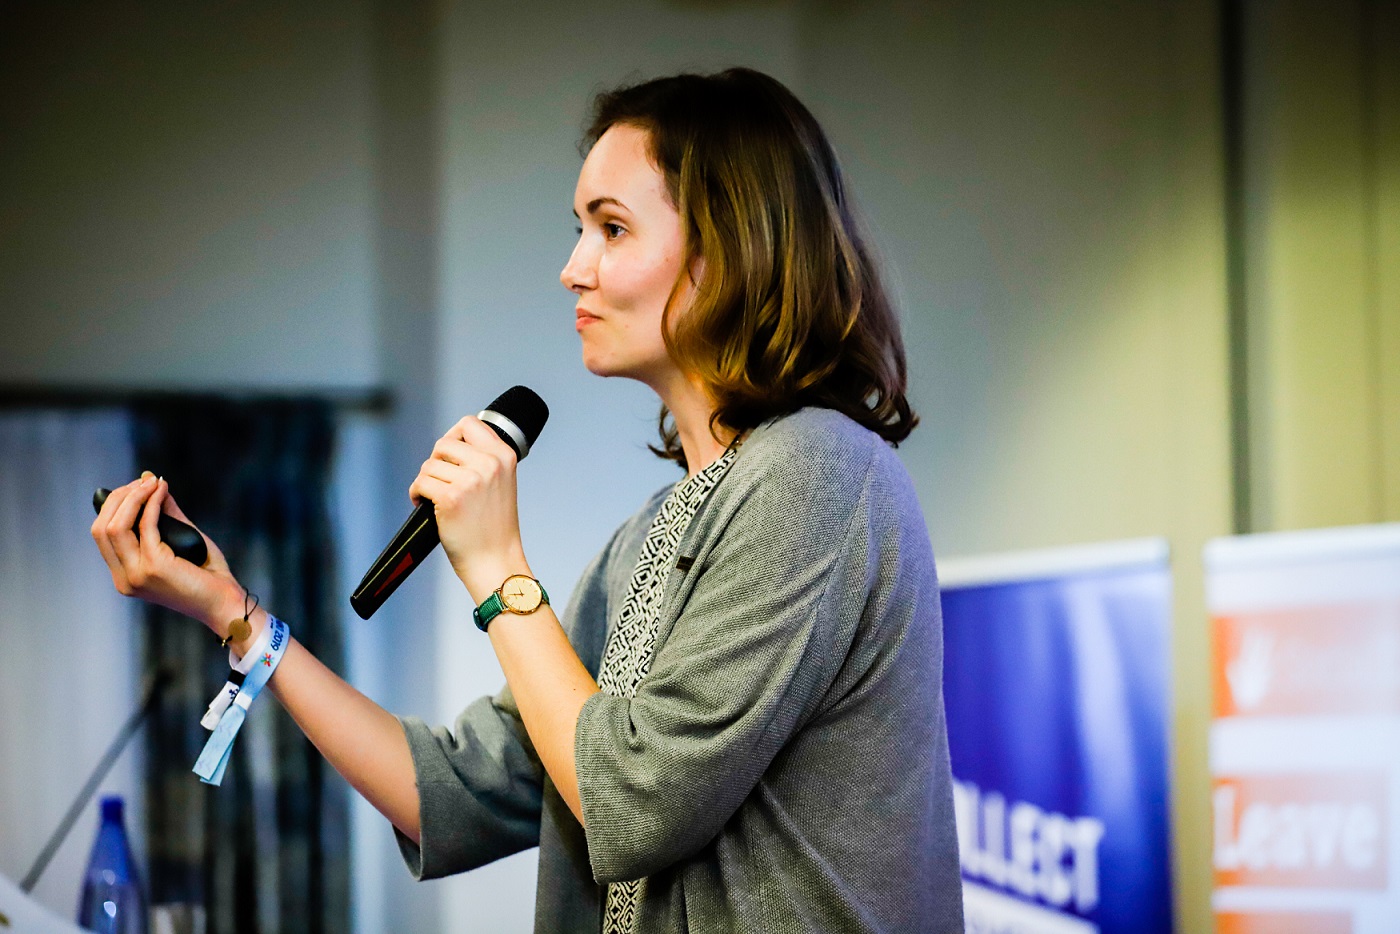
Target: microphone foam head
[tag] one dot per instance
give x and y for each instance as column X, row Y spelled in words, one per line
column 523, row 407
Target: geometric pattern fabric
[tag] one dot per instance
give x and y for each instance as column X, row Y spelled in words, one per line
column 627, row 657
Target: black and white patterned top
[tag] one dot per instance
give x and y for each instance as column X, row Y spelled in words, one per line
column 627, row 657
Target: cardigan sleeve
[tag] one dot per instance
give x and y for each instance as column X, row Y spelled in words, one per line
column 479, row 789
column 749, row 659
column 480, row 784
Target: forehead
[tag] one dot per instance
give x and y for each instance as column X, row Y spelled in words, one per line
column 619, row 166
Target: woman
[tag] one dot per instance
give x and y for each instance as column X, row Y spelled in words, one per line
column 738, row 725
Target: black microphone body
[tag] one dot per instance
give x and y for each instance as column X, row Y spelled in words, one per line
column 517, row 416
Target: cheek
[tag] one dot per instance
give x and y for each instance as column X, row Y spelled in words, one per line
column 640, row 284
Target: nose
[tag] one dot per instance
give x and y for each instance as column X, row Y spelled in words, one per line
column 580, row 273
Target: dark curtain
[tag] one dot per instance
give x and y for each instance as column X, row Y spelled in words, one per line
column 268, row 850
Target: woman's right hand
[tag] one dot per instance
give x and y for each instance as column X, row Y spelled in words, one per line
column 364, row 742
column 146, row 567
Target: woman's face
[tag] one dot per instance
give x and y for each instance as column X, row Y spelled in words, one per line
column 629, row 255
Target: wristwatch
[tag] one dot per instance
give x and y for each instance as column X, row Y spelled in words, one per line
column 520, row 594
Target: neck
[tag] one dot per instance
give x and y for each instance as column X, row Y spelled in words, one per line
column 691, row 407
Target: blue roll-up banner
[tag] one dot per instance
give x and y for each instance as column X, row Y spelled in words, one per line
column 1056, row 684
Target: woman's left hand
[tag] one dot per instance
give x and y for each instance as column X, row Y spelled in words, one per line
column 470, row 480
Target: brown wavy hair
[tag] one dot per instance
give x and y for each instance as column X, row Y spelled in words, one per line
column 789, row 310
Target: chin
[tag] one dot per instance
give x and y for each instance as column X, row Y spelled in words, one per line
column 600, row 367
column 614, row 368
column 602, row 359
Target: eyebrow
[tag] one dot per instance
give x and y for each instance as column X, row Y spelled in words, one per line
column 596, row 203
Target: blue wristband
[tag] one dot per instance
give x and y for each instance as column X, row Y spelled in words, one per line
column 214, row 759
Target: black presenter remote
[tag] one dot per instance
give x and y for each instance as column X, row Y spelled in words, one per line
column 183, row 539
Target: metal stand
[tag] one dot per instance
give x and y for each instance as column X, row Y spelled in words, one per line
column 155, row 682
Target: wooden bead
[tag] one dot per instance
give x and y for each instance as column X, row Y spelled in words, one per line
column 238, row 630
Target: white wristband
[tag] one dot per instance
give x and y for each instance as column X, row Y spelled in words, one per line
column 229, row 692
column 213, row 759
column 245, row 664
column 221, row 700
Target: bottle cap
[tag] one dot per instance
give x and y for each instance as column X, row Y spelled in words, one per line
column 112, row 808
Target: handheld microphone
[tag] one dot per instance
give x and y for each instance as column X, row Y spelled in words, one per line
column 182, row 538
column 518, row 415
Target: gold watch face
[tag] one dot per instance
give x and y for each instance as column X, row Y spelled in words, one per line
column 521, row 594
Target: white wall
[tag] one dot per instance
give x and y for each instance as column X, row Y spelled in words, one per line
column 1322, row 250
column 1031, row 172
column 71, row 671
column 186, row 197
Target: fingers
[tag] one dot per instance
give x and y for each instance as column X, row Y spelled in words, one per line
column 121, row 529
column 430, row 489
column 109, row 506
column 128, row 511
column 99, row 532
column 452, row 473
column 463, row 447
column 479, row 434
column 470, row 481
column 450, row 487
column 437, row 477
column 476, row 433
column 111, row 530
column 475, row 459
column 470, row 446
column 142, row 565
column 150, row 542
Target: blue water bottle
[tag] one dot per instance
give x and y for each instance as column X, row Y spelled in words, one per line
column 112, row 902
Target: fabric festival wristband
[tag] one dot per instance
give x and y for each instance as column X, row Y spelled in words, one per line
column 240, row 667
column 221, row 700
column 259, row 646
column 213, row 760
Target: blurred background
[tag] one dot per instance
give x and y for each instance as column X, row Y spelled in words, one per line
column 1148, row 255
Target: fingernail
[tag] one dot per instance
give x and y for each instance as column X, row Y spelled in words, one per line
column 145, row 474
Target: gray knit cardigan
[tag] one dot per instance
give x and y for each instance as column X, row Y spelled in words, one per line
column 784, row 764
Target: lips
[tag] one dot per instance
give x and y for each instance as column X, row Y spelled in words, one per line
column 583, row 317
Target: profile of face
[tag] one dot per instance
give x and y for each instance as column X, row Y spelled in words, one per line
column 629, row 254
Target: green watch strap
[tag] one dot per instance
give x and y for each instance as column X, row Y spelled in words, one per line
column 490, row 608
column 493, row 606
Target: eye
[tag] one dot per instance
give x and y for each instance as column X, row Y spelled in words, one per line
column 613, row 231
column 578, row 231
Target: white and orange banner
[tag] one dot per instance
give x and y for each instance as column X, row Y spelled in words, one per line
column 1305, row 742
